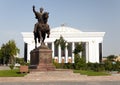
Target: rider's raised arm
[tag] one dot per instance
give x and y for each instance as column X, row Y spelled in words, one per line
column 36, row 13
column 34, row 9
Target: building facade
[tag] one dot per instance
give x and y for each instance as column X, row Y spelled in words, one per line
column 92, row 42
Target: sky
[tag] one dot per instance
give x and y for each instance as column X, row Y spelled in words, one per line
column 16, row 16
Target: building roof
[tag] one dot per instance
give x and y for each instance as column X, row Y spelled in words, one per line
column 65, row 29
column 70, row 32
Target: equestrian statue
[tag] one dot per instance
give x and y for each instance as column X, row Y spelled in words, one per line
column 41, row 28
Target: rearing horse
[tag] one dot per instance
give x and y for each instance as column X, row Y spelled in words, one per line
column 41, row 29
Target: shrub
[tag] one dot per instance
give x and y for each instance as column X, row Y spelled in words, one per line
column 108, row 65
column 80, row 63
column 68, row 66
column 63, row 65
column 95, row 67
column 11, row 66
column 116, row 66
column 98, row 67
column 57, row 65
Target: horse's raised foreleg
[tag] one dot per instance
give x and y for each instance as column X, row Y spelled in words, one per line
column 43, row 37
column 48, row 33
column 47, row 30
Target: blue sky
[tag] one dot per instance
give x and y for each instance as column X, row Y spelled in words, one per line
column 16, row 16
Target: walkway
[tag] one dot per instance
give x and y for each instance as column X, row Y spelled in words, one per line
column 51, row 76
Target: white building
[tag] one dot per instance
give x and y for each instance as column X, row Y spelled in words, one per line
column 92, row 42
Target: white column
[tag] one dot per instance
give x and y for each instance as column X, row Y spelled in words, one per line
column 66, row 54
column 73, row 47
column 91, row 50
column 97, row 52
column 53, row 50
column 29, row 48
column 87, row 52
column 59, row 54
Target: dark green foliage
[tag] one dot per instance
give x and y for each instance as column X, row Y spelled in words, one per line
column 22, row 62
column 58, row 65
column 11, row 66
column 117, row 66
column 112, row 66
column 95, row 67
column 80, row 63
column 108, row 65
column 78, row 48
column 64, row 65
column 60, row 42
column 4, row 57
column 111, row 57
column 68, row 65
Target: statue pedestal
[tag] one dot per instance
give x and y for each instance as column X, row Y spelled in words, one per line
column 41, row 59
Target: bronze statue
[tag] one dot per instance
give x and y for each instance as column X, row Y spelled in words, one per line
column 41, row 28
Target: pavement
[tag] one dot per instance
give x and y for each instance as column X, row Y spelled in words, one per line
column 59, row 76
column 4, row 67
column 62, row 83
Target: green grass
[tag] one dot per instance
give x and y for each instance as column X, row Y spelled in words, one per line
column 11, row 73
column 91, row 73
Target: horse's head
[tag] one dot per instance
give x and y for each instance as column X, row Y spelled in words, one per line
column 45, row 17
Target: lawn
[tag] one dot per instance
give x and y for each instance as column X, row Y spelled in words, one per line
column 91, row 73
column 11, row 73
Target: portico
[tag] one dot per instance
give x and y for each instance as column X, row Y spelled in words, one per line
column 92, row 42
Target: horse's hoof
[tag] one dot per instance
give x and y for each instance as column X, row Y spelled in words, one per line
column 47, row 36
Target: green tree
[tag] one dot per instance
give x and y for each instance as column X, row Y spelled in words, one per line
column 0, row 56
column 108, row 65
column 111, row 57
column 78, row 48
column 60, row 42
column 80, row 63
column 12, row 50
column 3, row 54
column 8, row 52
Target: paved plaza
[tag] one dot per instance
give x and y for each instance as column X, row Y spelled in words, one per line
column 63, row 83
column 59, row 76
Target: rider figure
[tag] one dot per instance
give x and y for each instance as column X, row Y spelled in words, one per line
column 38, row 16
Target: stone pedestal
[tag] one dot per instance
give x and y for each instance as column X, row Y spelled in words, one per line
column 41, row 59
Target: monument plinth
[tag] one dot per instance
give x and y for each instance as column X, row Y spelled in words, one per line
column 41, row 59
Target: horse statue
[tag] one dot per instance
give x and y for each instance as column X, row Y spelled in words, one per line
column 41, row 28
